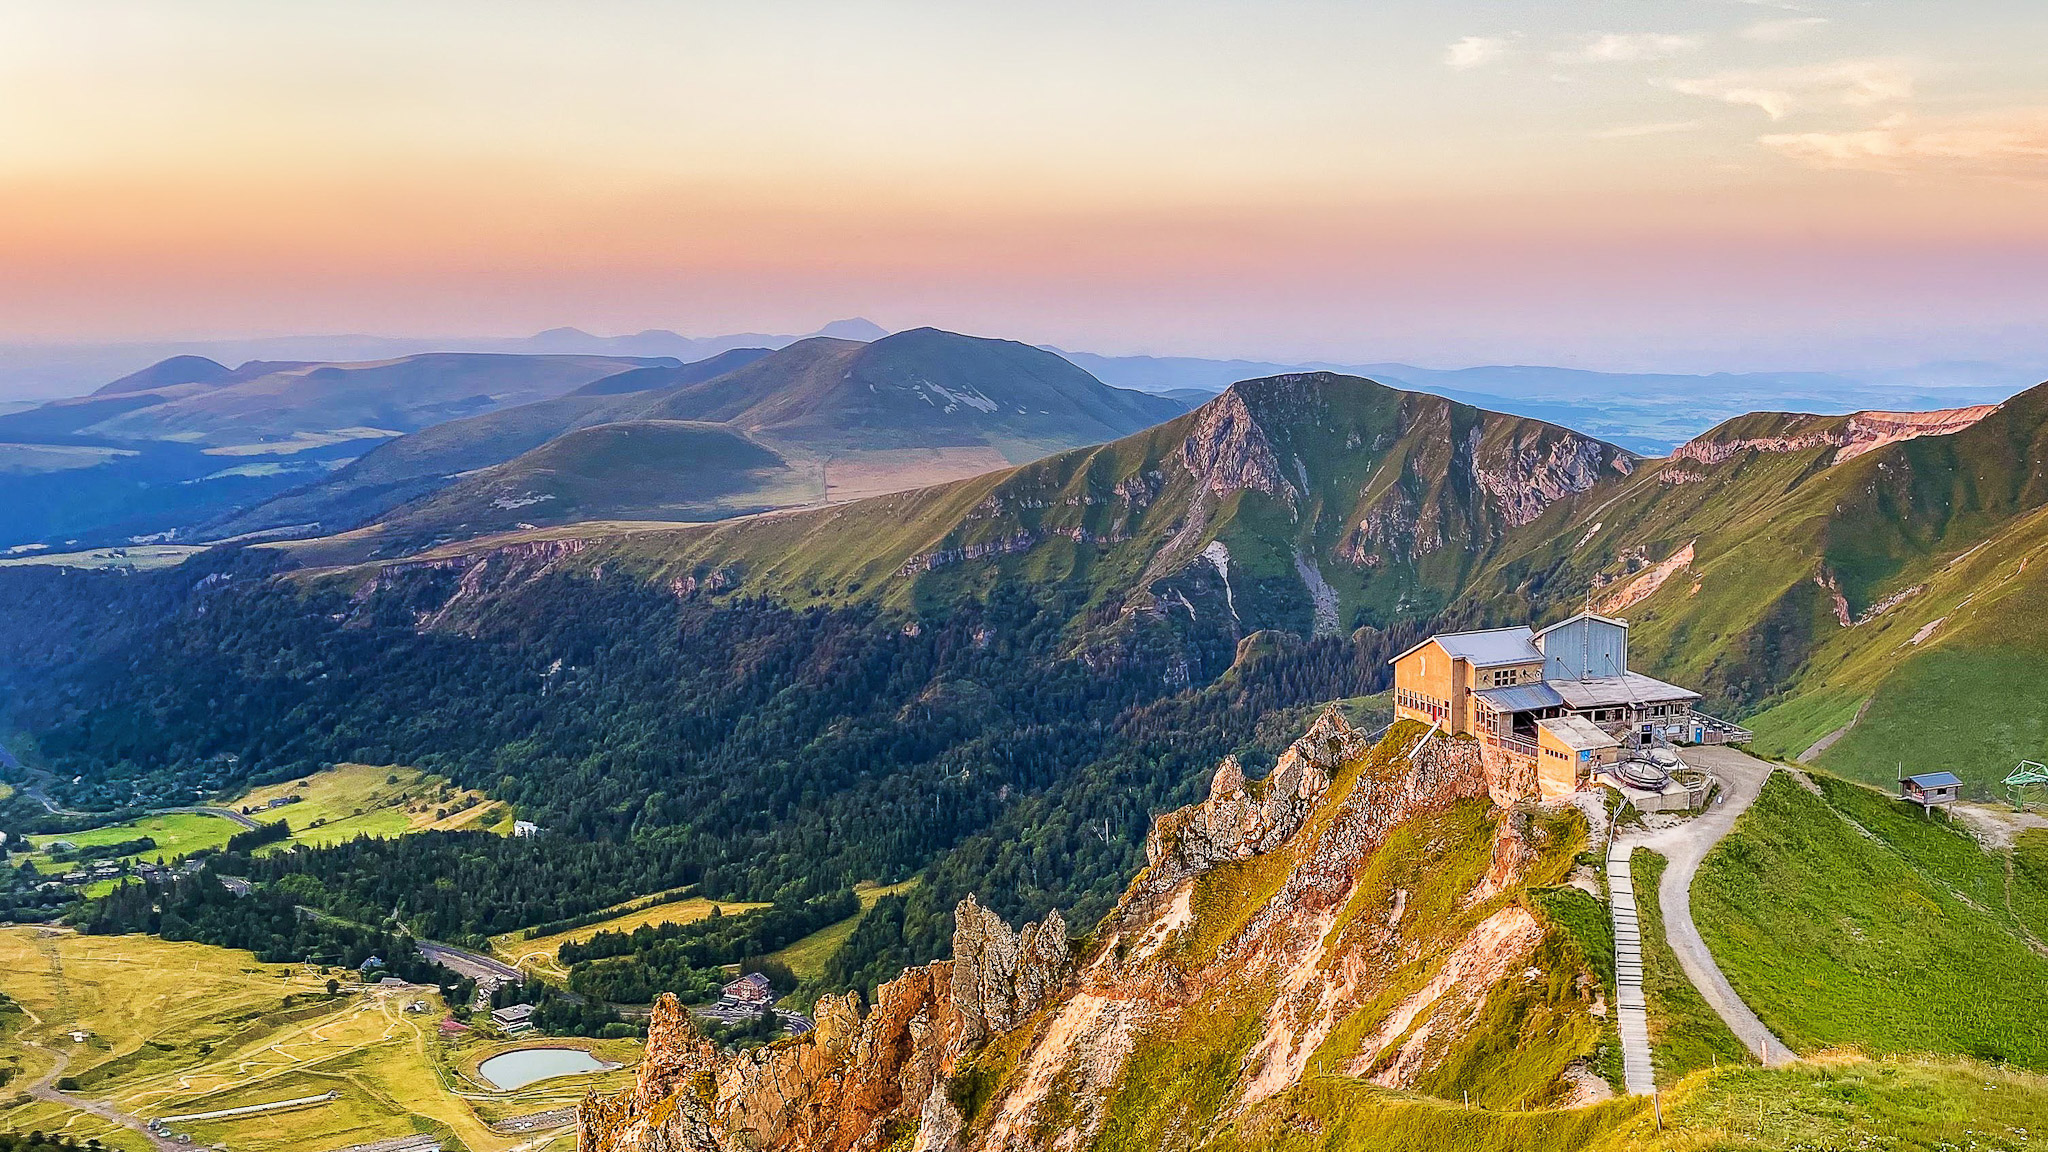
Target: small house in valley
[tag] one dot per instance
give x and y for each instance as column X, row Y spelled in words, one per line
column 1562, row 701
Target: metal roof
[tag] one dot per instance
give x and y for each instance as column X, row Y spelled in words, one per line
column 1616, row 691
column 1616, row 621
column 1934, row 780
column 1488, row 649
column 1521, row 697
column 1577, row 733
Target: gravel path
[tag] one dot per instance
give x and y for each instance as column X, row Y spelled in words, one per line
column 1742, row 779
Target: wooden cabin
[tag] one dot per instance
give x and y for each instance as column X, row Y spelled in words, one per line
column 1931, row 790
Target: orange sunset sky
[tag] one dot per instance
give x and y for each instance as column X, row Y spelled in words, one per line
column 1656, row 183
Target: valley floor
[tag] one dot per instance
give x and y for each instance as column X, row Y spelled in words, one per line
column 110, row 1030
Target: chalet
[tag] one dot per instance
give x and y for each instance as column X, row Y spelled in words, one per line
column 750, row 991
column 513, row 1018
column 1562, row 699
column 1931, row 790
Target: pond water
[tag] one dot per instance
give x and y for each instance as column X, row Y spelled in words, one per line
column 523, row 1066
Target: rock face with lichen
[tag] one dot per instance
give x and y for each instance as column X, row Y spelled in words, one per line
column 1268, row 934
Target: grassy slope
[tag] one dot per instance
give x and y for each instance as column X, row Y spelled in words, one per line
column 1837, row 939
column 351, row 800
column 1906, row 1105
column 807, row 956
column 175, row 833
column 344, row 802
column 186, row 1027
column 537, row 954
column 641, row 469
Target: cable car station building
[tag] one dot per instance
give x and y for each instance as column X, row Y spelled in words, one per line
column 1561, row 701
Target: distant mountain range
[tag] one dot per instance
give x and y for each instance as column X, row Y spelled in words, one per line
column 43, row 371
column 455, row 444
column 1649, row 413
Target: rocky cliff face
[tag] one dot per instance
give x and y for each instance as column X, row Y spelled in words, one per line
column 1359, row 912
column 1851, row 436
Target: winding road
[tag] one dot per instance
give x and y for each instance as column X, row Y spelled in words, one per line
column 33, row 789
column 1685, row 845
column 43, row 1090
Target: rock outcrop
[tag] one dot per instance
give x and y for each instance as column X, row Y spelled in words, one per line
column 1227, row 451
column 1001, row 976
column 1262, row 917
column 1238, row 821
column 1851, row 436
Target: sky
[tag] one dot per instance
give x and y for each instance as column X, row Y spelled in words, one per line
column 1623, row 184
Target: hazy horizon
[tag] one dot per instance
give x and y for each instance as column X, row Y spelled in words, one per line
column 1683, row 186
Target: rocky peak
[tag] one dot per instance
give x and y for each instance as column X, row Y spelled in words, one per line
column 1227, row 451
column 1001, row 976
column 1538, row 466
column 1243, row 818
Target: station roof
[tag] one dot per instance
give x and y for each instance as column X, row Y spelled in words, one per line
column 1933, row 780
column 1521, row 697
column 1577, row 733
column 1620, row 691
column 1488, row 649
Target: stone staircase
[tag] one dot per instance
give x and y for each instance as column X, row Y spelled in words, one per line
column 1632, row 1016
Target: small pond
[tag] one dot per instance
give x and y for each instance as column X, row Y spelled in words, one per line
column 523, row 1066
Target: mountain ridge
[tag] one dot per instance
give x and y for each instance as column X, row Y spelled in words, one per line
column 819, row 404
column 1774, row 581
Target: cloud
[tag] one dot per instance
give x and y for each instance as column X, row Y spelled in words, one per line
column 1781, row 31
column 1621, row 47
column 2008, row 142
column 1630, row 131
column 1779, row 92
column 1475, row 52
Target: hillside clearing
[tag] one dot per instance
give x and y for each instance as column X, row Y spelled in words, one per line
column 176, row 834
column 350, row 800
column 807, row 957
column 537, row 955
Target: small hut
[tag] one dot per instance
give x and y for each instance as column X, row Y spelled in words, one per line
column 1931, row 790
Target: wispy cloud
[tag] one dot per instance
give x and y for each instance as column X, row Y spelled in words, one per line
column 1630, row 131
column 2009, row 142
column 1779, row 92
column 1782, row 31
column 1475, row 52
column 1622, row 47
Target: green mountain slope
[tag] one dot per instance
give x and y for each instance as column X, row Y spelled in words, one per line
column 921, row 388
column 411, row 467
column 635, row 469
column 1791, row 567
column 1798, row 578
column 1316, row 504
